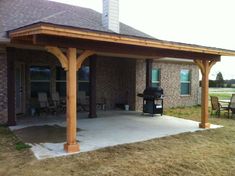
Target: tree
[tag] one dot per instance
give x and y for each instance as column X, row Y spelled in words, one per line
column 219, row 80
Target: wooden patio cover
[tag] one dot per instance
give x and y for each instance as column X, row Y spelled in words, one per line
column 55, row 37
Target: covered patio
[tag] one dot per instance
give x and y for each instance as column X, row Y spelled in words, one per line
column 109, row 129
column 72, row 46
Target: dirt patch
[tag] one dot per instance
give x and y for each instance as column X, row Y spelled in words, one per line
column 42, row 134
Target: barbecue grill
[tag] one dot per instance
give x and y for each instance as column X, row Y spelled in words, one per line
column 152, row 100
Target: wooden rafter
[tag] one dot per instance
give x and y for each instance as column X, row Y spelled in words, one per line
column 200, row 65
column 85, row 54
column 211, row 64
column 59, row 55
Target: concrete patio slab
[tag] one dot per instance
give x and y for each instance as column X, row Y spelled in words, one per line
column 110, row 129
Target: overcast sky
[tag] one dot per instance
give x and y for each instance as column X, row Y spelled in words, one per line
column 204, row 22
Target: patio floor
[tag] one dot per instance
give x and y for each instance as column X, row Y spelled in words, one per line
column 47, row 135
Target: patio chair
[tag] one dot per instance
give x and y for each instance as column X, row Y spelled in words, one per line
column 45, row 107
column 217, row 107
column 83, row 101
column 58, row 103
column 232, row 104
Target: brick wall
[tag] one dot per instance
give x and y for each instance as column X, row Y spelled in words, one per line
column 115, row 76
column 170, row 82
column 116, row 81
column 3, row 87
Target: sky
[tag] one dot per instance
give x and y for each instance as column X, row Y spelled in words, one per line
column 203, row 22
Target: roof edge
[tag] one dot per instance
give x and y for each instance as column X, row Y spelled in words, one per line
column 73, row 32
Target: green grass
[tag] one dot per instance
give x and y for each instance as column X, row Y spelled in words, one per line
column 221, row 96
column 222, row 93
column 21, row 146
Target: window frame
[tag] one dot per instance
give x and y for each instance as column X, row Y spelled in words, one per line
column 40, row 81
column 186, row 82
column 158, row 82
column 65, row 81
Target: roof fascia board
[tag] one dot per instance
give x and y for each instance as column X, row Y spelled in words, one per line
column 102, row 36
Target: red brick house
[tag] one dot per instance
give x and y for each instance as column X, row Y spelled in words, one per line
column 114, row 61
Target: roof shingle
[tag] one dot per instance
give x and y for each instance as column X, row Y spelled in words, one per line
column 18, row 13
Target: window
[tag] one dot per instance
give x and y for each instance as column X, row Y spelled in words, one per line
column 61, row 81
column 40, row 80
column 155, row 77
column 185, row 82
column 82, row 77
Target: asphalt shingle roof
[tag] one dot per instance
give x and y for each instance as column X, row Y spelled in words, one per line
column 18, row 13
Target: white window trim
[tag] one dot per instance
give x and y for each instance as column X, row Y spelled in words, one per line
column 188, row 82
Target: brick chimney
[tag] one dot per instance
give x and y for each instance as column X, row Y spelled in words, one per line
column 110, row 16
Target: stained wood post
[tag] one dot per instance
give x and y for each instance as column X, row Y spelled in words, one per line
column 71, row 64
column 92, row 103
column 205, row 86
column 149, row 65
column 72, row 145
column 11, row 121
column 205, row 67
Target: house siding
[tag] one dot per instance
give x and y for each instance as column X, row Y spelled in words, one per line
column 3, row 86
column 170, row 82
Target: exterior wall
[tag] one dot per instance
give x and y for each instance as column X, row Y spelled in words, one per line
column 3, row 86
column 35, row 57
column 140, row 83
column 116, row 81
column 170, row 82
column 115, row 77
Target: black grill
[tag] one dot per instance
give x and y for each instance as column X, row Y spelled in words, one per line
column 152, row 100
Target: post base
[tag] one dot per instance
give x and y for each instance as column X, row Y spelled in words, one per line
column 204, row 125
column 71, row 148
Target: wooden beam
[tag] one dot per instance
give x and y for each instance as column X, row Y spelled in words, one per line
column 92, row 88
column 116, row 48
column 59, row 55
column 205, row 84
column 85, row 54
column 149, row 65
column 72, row 146
column 11, row 121
column 205, row 67
column 200, row 65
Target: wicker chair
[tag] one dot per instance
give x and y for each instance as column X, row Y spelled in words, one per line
column 217, row 107
column 45, row 107
column 58, row 103
column 83, row 101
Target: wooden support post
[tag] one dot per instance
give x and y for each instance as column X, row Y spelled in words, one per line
column 92, row 104
column 205, row 67
column 71, row 64
column 72, row 145
column 149, row 65
column 11, row 121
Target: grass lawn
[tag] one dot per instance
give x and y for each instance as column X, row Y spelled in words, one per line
column 222, row 93
column 204, row 153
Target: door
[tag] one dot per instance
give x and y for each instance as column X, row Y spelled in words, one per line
column 19, row 87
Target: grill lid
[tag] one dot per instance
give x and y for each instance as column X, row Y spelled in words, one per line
column 153, row 91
